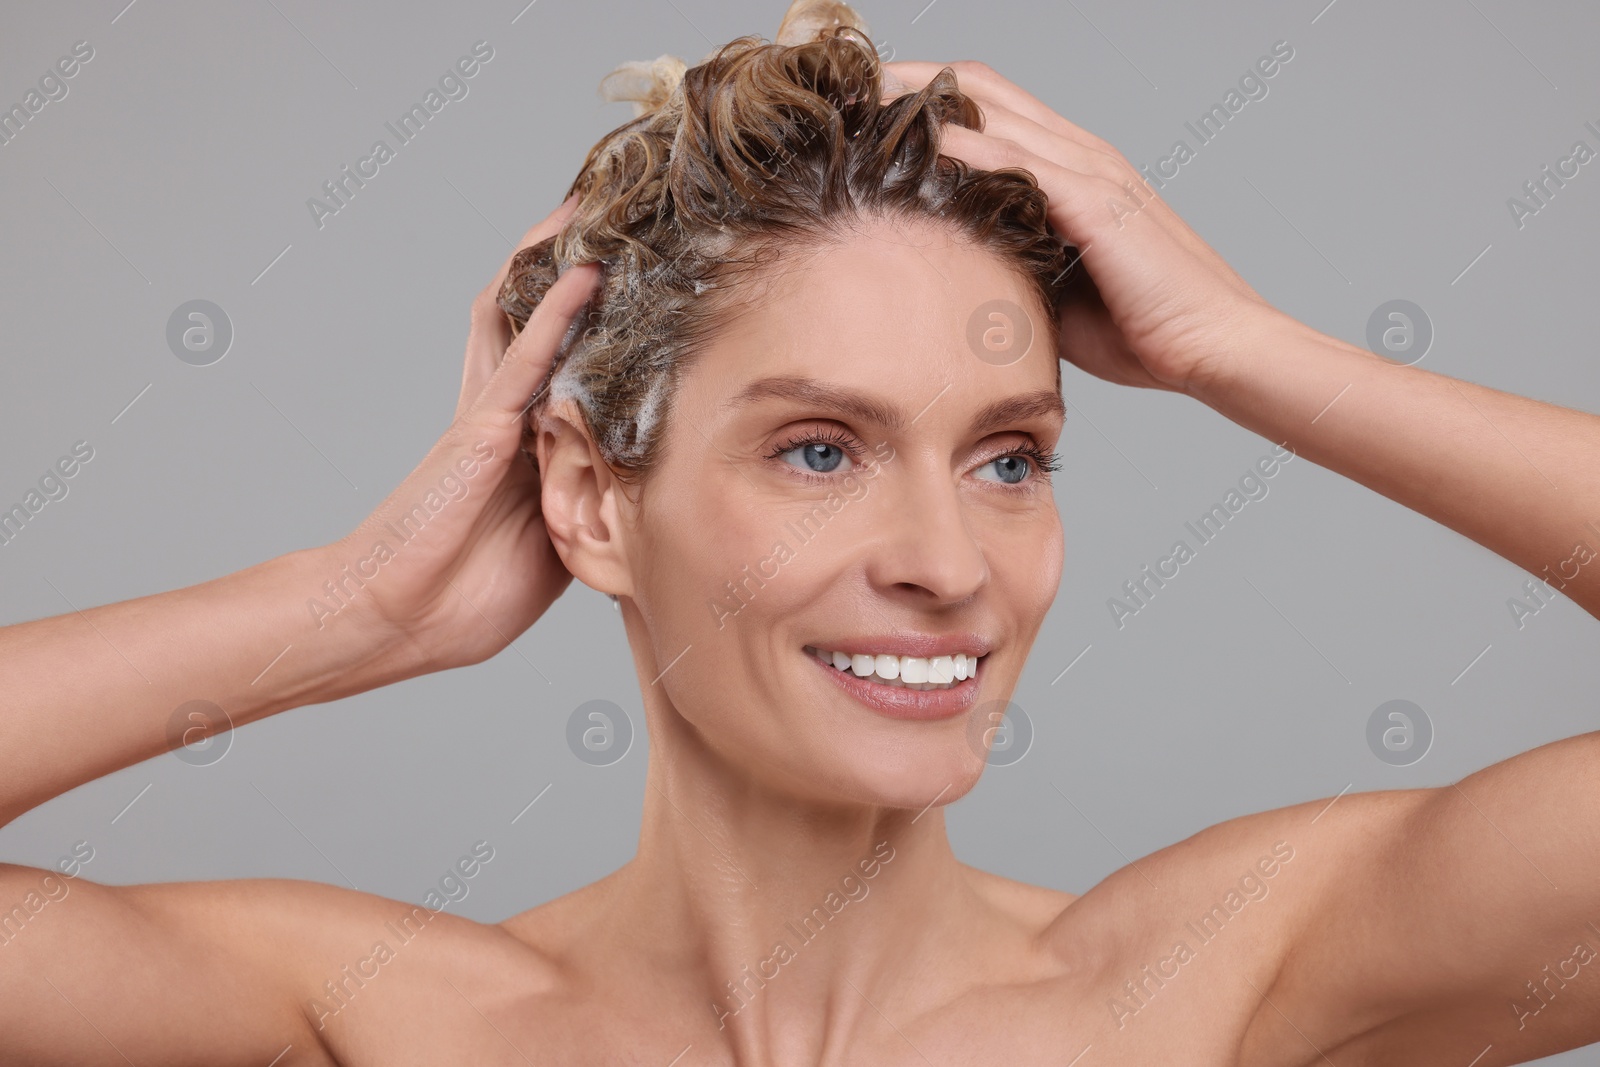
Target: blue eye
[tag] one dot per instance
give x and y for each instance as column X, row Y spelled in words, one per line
column 1012, row 469
column 1015, row 466
column 821, row 453
column 820, row 457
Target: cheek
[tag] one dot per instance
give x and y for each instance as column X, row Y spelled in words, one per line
column 707, row 582
column 1053, row 556
column 1026, row 563
column 712, row 563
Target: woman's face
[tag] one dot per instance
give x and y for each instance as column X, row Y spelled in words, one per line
column 841, row 472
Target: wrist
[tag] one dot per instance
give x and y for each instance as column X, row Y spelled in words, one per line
column 339, row 647
column 1262, row 347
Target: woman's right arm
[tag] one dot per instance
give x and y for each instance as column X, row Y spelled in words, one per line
column 222, row 972
column 94, row 691
column 420, row 586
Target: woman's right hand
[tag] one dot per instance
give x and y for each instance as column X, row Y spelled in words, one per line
column 456, row 561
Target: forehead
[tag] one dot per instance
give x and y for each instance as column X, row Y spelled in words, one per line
column 907, row 303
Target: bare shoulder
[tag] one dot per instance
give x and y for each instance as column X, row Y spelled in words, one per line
column 1032, row 906
column 556, row 929
column 1233, row 901
column 1420, row 924
column 254, row 966
column 347, row 947
column 1292, row 852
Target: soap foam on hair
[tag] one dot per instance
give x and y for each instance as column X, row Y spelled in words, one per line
column 718, row 184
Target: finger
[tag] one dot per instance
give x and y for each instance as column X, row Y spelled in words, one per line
column 1085, row 210
column 1084, row 207
column 505, row 396
column 1072, row 195
column 1138, row 193
column 1003, row 119
column 545, row 227
column 1003, row 122
column 489, row 333
column 985, row 85
column 486, row 345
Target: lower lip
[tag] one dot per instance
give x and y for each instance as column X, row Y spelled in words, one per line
column 898, row 702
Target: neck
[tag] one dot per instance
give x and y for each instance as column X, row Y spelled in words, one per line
column 774, row 909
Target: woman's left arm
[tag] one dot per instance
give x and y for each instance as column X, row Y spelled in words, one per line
column 1155, row 306
column 1518, row 476
column 1458, row 920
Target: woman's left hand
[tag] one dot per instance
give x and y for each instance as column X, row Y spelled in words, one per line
column 1160, row 309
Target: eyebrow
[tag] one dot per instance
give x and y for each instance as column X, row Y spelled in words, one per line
column 862, row 408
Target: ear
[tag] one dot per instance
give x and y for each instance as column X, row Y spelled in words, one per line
column 584, row 504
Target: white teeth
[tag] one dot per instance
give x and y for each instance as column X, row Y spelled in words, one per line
column 912, row 672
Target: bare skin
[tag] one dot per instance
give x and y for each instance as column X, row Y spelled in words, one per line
column 1385, row 927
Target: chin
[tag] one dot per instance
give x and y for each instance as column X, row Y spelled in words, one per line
column 921, row 779
column 896, row 742
column 818, row 711
column 867, row 761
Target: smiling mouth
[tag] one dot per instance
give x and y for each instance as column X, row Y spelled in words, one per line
column 904, row 672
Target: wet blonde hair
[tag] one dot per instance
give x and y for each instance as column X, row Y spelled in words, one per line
column 732, row 170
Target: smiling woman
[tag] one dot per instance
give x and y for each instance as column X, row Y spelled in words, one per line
column 777, row 410
column 795, row 339
column 700, row 386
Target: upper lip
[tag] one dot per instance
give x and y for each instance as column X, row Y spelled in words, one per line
column 907, row 643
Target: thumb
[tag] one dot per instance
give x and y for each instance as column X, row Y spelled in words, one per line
column 527, row 361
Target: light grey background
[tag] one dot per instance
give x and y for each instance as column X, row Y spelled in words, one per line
column 178, row 167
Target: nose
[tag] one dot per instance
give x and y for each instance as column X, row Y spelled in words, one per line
column 927, row 549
